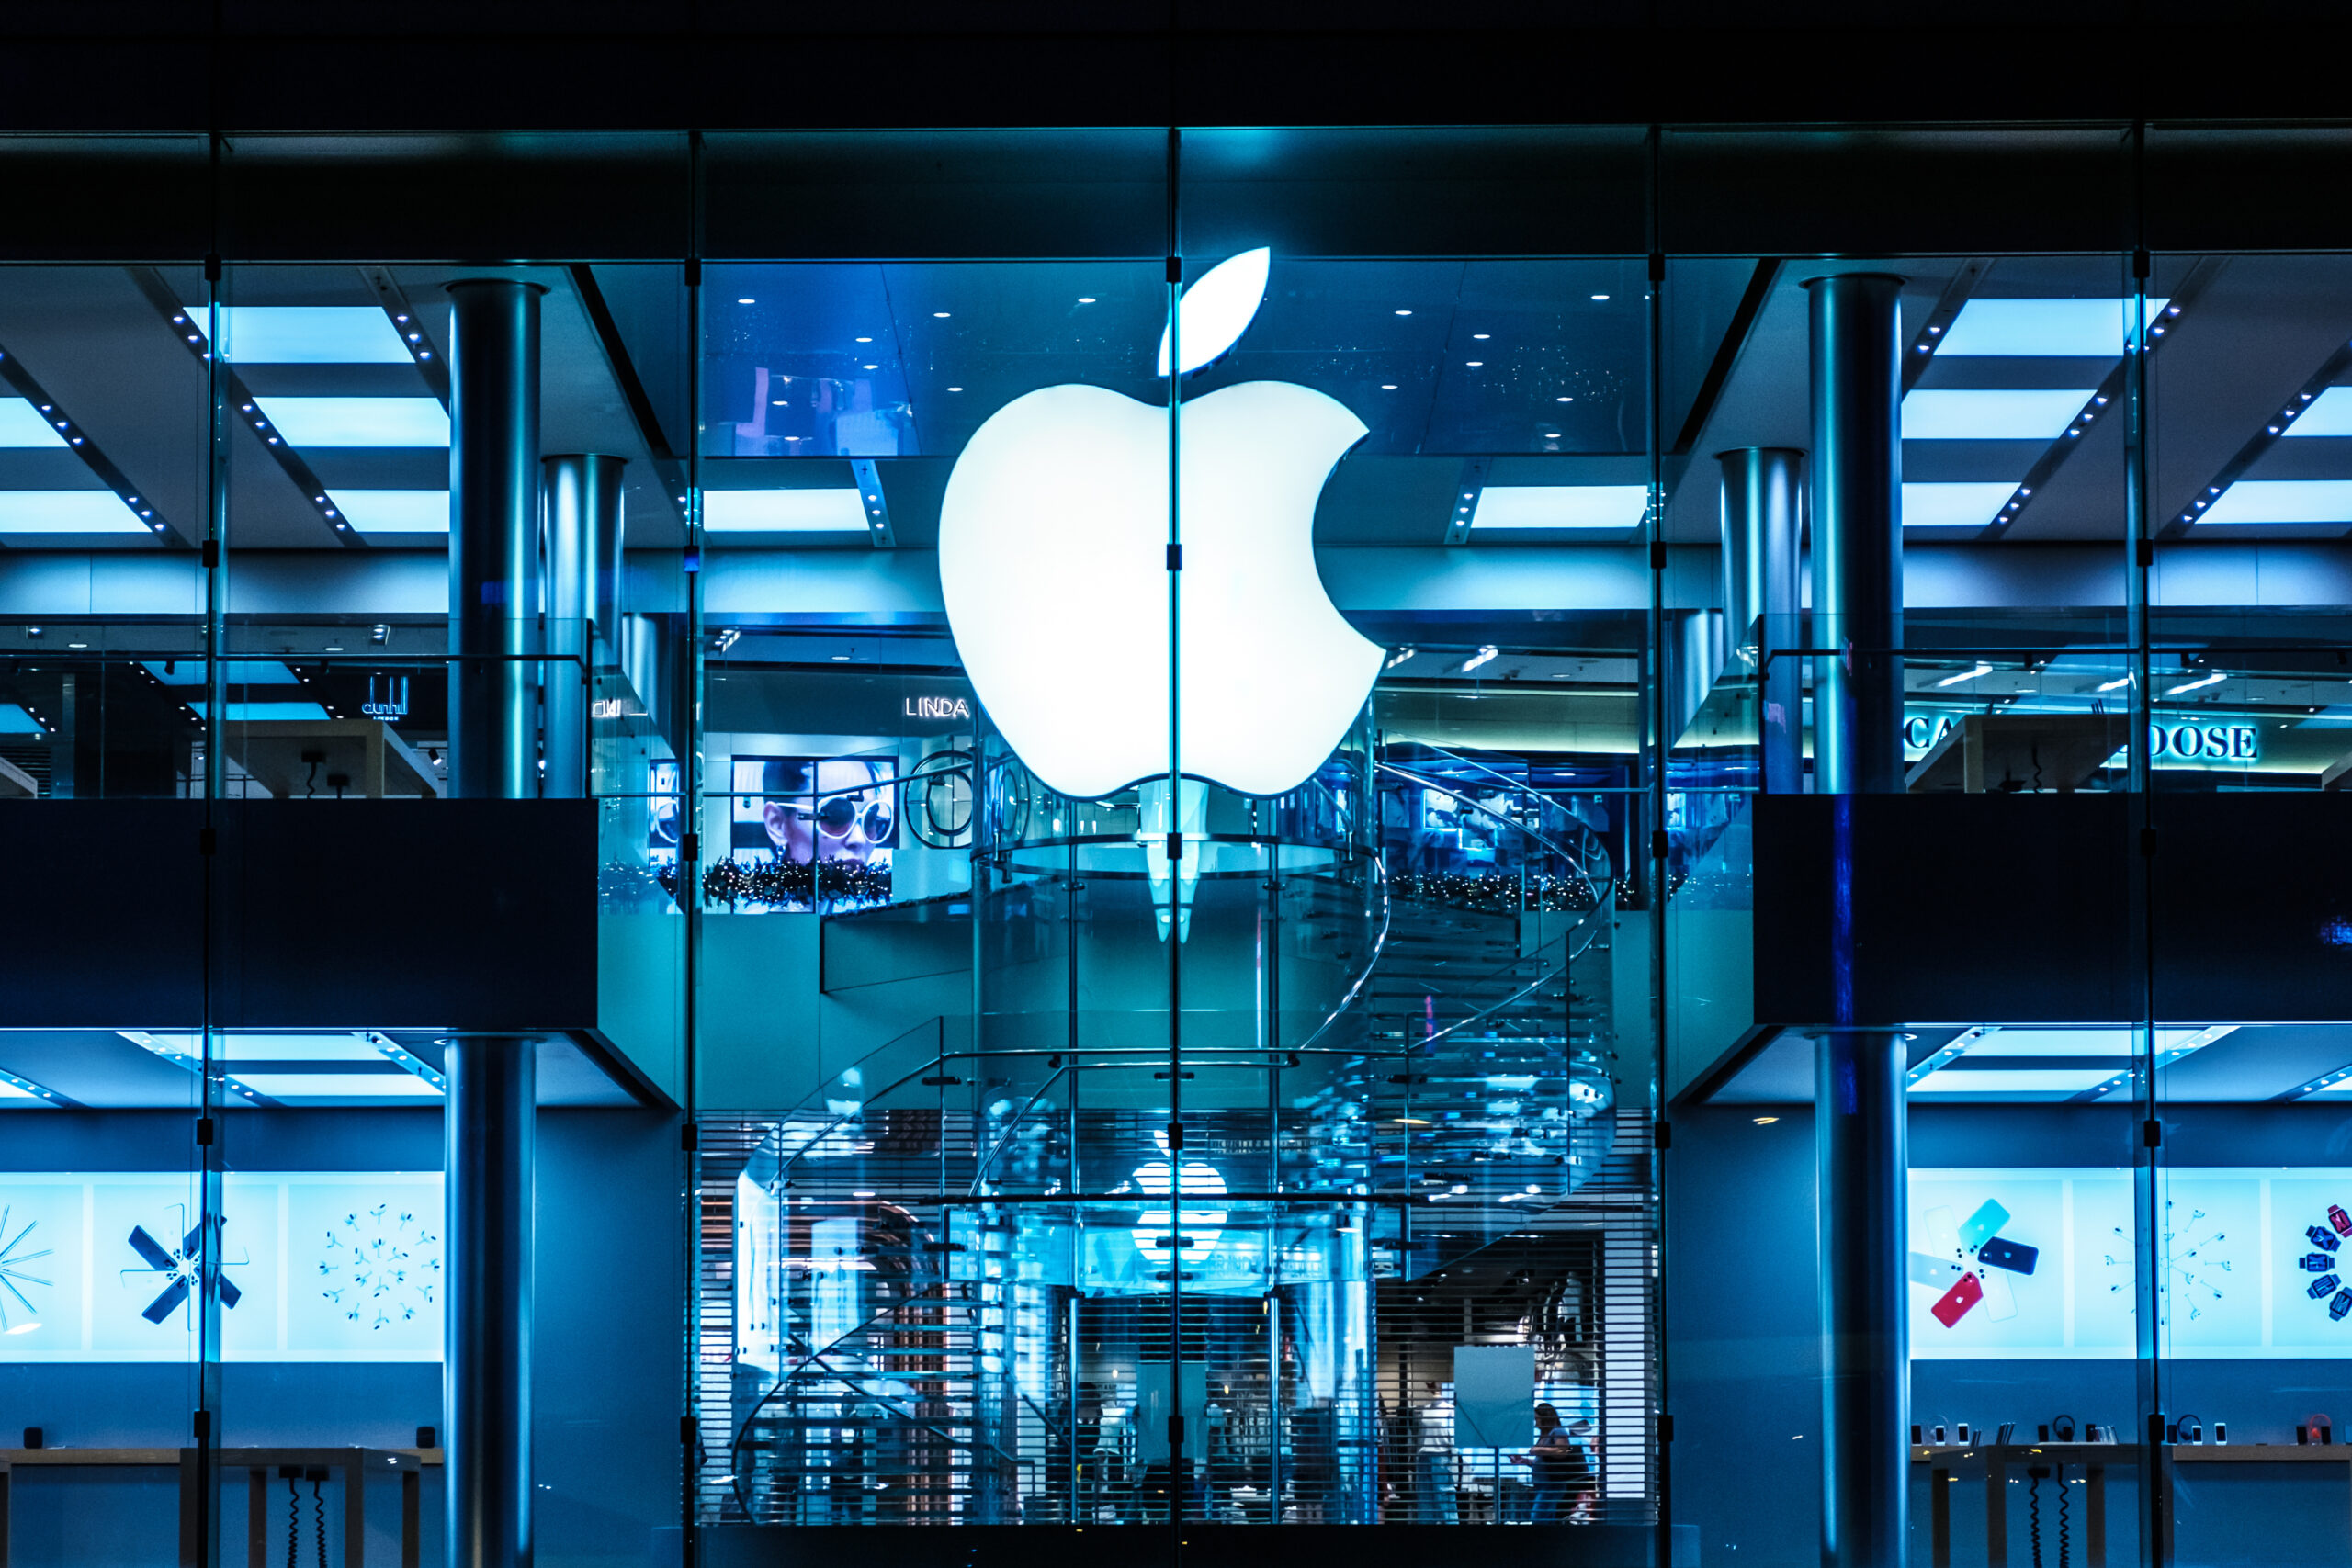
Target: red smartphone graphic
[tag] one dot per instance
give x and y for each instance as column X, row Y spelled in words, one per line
column 2339, row 1219
column 1953, row 1305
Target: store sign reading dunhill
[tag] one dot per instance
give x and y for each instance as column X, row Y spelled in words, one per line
column 393, row 706
column 935, row 707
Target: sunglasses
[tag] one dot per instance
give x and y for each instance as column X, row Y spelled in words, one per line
column 840, row 813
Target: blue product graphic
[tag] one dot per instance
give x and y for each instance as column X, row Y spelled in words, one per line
column 1998, row 1252
column 2324, row 1284
column 2323, row 1237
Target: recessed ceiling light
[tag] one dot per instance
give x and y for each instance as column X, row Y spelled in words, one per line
column 1086, row 299
column 1599, row 298
column 1404, row 312
column 1482, row 336
column 747, row 302
column 1388, row 386
column 866, row 340
column 955, row 388
column 1473, row 364
column 1766, row 1120
column 1551, row 436
column 874, row 368
column 940, row 315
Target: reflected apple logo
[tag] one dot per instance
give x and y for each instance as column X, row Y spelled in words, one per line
column 1053, row 565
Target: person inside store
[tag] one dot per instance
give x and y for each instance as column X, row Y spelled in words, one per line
column 1559, row 1471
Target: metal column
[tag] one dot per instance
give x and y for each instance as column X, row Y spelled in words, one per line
column 493, row 538
column 584, row 509
column 494, row 619
column 1856, row 534
column 1857, row 503
column 1762, row 600
column 486, row 1364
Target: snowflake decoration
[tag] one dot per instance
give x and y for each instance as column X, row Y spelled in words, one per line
column 12, row 1273
column 381, row 1267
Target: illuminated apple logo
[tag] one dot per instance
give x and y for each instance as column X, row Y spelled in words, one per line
column 1053, row 563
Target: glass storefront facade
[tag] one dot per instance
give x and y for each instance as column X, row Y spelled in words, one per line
column 1162, row 832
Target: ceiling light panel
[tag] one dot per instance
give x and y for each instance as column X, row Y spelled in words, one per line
column 784, row 510
column 67, row 512
column 2281, row 500
column 21, row 424
column 1561, row 506
column 265, row 712
column 309, row 334
column 1945, row 414
column 2011, row 1080
column 2037, row 329
column 292, row 1088
column 394, row 511
column 2330, row 413
column 241, row 672
column 356, row 422
column 14, row 720
column 1970, row 504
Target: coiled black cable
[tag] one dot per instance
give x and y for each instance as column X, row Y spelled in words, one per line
column 2065, row 1539
column 319, row 1515
column 2033, row 1509
column 293, row 1523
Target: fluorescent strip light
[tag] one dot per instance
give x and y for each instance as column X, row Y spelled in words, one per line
column 2005, row 1080
column 309, row 334
column 14, row 720
column 2119, row 682
column 266, row 713
column 1982, row 669
column 1972, row 504
column 21, row 424
column 189, row 672
column 294, row 1088
column 356, row 421
column 2282, row 501
column 1939, row 415
column 2215, row 678
column 2039, row 329
column 394, row 511
column 67, row 512
column 1484, row 656
column 784, row 511
column 2330, row 413
column 1561, row 506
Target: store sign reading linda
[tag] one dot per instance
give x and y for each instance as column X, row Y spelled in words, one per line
column 2182, row 743
column 935, row 707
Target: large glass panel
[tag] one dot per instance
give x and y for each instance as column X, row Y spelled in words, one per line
column 115, row 1275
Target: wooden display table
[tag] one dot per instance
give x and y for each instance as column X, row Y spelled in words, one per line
column 358, row 1467
column 2094, row 1460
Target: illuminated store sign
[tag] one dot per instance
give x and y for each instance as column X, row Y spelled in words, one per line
column 1055, row 563
column 2181, row 743
column 935, row 707
column 392, row 705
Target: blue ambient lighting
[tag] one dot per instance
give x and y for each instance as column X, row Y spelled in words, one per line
column 2037, row 329
column 1970, row 504
column 784, row 511
column 189, row 672
column 66, row 512
column 356, row 421
column 14, row 720
column 21, row 424
column 1940, row 414
column 394, row 511
column 310, row 334
column 2330, row 413
column 263, row 713
column 2282, row 501
column 1561, row 506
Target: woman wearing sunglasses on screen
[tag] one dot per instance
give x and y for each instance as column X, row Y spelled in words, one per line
column 836, row 815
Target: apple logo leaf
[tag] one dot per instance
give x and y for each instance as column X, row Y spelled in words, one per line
column 1217, row 308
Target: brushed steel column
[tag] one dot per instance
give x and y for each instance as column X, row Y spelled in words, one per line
column 486, row 1362
column 583, row 545
column 1762, row 600
column 493, row 538
column 1856, row 492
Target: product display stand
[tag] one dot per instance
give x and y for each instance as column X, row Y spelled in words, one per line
column 358, row 1467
